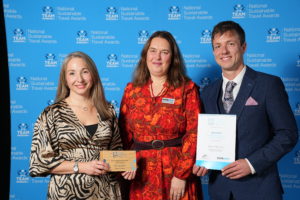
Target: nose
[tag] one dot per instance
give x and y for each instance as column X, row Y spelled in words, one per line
column 224, row 49
column 79, row 78
column 158, row 55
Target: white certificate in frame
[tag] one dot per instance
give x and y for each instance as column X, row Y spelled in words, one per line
column 216, row 140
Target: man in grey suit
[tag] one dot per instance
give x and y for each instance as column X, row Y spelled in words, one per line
column 266, row 126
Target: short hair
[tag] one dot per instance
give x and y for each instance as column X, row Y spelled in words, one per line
column 225, row 26
column 97, row 91
column 177, row 72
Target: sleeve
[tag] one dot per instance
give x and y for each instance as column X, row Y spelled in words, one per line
column 188, row 153
column 44, row 150
column 126, row 134
column 283, row 127
column 116, row 143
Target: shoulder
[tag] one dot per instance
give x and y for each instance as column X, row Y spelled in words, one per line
column 190, row 85
column 264, row 78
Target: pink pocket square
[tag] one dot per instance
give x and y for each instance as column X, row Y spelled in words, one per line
column 251, row 102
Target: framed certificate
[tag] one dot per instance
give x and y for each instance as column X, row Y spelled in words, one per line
column 119, row 161
column 216, row 140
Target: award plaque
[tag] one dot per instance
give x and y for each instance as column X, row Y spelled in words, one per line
column 120, row 160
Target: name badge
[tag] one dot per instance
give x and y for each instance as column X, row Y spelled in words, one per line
column 168, row 100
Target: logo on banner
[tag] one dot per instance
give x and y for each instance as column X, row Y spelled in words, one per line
column 273, row 35
column 22, row 176
column 22, row 83
column 298, row 61
column 50, row 60
column 174, row 13
column 205, row 37
column 238, row 11
column 19, row 35
column 115, row 104
column 204, row 82
column 143, row 36
column 48, row 13
column 82, row 37
column 23, row 130
column 297, row 109
column 297, row 158
column 50, row 102
column 112, row 60
column 112, row 13
column 204, row 179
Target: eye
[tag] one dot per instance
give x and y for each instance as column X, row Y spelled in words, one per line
column 165, row 52
column 217, row 46
column 231, row 44
column 152, row 50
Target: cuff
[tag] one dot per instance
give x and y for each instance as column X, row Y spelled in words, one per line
column 251, row 167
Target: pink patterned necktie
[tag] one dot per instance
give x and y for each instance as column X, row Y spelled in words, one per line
column 228, row 96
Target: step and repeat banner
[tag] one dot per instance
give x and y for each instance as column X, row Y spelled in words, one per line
column 41, row 33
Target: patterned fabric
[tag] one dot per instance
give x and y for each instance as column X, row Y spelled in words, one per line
column 147, row 118
column 228, row 96
column 59, row 136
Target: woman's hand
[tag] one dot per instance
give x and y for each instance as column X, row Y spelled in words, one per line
column 177, row 188
column 129, row 175
column 94, row 167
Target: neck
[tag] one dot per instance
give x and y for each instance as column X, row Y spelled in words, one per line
column 230, row 75
column 158, row 80
column 79, row 100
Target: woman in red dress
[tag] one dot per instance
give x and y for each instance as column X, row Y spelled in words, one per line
column 158, row 118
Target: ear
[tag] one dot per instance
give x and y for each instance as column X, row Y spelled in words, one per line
column 244, row 47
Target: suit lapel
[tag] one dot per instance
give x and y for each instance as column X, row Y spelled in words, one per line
column 244, row 93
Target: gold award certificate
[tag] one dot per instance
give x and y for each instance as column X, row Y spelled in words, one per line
column 120, row 160
column 216, row 140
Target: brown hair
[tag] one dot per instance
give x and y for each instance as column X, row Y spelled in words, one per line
column 96, row 92
column 225, row 26
column 177, row 72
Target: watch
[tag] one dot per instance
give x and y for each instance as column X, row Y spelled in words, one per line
column 75, row 167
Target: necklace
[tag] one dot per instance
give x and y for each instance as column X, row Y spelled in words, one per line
column 85, row 108
column 160, row 92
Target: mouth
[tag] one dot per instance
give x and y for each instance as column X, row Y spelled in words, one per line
column 225, row 58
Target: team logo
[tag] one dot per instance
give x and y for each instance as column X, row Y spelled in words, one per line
column 50, row 102
column 48, row 13
column 297, row 158
column 297, row 110
column 82, row 37
column 112, row 13
column 19, row 35
column 143, row 36
column 23, row 129
column 273, row 35
column 22, row 83
column 205, row 37
column 298, row 61
column 50, row 60
column 22, row 176
column 204, row 82
column 174, row 13
column 238, row 11
column 112, row 60
column 204, row 180
column 115, row 104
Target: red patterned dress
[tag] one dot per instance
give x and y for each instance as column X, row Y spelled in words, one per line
column 147, row 118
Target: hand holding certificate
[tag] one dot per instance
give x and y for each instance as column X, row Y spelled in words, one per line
column 119, row 161
column 216, row 140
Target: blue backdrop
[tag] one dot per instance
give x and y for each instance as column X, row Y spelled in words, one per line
column 41, row 33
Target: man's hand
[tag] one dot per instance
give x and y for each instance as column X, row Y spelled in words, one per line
column 237, row 169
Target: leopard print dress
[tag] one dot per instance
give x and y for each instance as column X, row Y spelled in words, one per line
column 59, row 136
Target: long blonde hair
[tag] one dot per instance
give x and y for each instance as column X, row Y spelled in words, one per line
column 96, row 92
